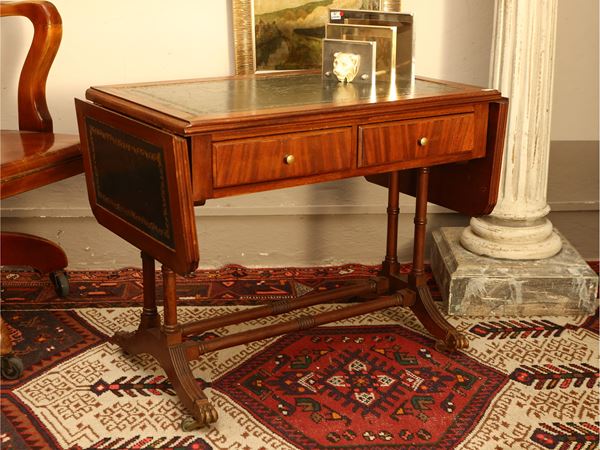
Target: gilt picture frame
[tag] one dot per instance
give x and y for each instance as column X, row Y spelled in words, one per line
column 246, row 12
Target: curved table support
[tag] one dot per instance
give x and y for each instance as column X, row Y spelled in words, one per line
column 447, row 337
column 174, row 361
column 166, row 342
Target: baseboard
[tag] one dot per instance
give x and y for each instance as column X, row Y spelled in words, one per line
column 592, row 205
column 284, row 210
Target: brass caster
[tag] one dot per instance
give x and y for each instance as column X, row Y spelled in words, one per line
column 453, row 341
column 206, row 414
column 190, row 424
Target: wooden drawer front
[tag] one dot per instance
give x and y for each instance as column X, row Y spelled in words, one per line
column 282, row 156
column 401, row 141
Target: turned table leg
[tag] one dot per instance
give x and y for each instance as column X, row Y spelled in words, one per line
column 150, row 317
column 176, row 364
column 165, row 345
column 417, row 275
column 390, row 265
column 170, row 326
column 448, row 338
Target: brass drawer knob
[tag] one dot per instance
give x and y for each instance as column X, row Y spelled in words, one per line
column 423, row 141
column 289, row 159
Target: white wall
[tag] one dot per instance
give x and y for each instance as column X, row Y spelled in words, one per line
column 107, row 42
column 120, row 41
column 453, row 38
column 573, row 175
column 575, row 100
column 116, row 41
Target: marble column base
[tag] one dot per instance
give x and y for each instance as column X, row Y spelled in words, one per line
column 473, row 285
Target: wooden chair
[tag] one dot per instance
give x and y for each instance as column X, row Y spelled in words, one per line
column 34, row 156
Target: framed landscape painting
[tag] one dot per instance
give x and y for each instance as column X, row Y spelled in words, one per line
column 284, row 34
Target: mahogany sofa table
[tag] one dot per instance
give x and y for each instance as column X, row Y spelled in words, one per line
column 153, row 151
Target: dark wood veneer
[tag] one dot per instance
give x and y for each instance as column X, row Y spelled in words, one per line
column 440, row 141
column 261, row 159
column 399, row 141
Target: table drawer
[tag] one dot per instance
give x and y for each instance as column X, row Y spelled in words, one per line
column 282, row 156
column 416, row 139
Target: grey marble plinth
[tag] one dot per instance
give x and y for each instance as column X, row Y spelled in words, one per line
column 473, row 285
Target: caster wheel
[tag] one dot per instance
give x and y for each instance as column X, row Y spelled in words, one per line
column 12, row 367
column 61, row 283
column 189, row 424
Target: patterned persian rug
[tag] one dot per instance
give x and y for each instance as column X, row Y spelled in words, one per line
column 372, row 382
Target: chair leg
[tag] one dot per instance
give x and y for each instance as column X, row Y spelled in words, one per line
column 20, row 249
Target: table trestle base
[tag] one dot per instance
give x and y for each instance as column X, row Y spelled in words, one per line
column 168, row 344
column 401, row 298
column 370, row 288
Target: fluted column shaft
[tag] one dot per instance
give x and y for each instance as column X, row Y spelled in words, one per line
column 523, row 70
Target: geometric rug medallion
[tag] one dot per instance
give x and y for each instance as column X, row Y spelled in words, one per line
column 371, row 382
column 356, row 386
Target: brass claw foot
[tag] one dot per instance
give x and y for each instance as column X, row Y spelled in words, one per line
column 447, row 337
column 174, row 362
column 453, row 341
column 204, row 415
column 192, row 397
column 207, row 412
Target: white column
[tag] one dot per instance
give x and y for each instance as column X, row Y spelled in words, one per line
column 523, row 70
